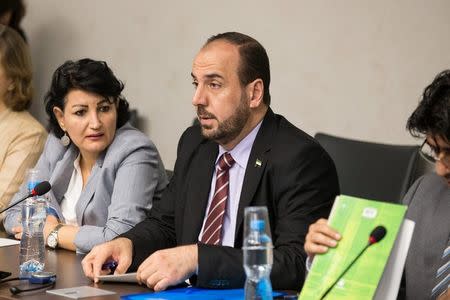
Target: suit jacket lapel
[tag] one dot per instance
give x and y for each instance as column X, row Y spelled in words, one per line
column 255, row 167
column 431, row 213
column 62, row 173
column 89, row 189
column 197, row 189
column 440, row 225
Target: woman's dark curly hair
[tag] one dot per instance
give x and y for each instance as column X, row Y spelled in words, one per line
column 432, row 116
column 86, row 75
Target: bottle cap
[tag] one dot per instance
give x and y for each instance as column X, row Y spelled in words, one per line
column 257, row 225
column 31, row 185
column 33, row 177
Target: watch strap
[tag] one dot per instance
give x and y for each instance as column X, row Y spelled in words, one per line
column 55, row 232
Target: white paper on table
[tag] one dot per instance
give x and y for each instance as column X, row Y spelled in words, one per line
column 390, row 281
column 80, row 292
column 8, row 242
column 127, row 277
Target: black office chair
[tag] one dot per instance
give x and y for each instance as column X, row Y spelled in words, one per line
column 370, row 170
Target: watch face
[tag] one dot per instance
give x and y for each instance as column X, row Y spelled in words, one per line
column 51, row 240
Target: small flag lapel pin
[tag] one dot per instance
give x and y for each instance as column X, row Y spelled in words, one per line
column 258, row 163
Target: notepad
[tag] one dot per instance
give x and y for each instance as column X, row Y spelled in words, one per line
column 355, row 218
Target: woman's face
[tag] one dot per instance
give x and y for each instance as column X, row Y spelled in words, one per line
column 89, row 120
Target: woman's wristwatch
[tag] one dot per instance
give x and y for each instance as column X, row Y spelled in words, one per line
column 52, row 239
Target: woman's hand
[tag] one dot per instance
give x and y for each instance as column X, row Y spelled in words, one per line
column 50, row 224
column 320, row 237
column 17, row 231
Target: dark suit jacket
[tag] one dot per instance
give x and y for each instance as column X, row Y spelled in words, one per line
column 297, row 182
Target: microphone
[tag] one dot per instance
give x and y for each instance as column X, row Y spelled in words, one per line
column 375, row 236
column 40, row 189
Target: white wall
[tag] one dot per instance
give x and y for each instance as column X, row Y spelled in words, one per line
column 351, row 68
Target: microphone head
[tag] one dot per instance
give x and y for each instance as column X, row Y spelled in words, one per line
column 15, row 290
column 41, row 188
column 377, row 234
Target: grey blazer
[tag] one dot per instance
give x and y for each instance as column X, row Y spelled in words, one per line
column 428, row 203
column 118, row 194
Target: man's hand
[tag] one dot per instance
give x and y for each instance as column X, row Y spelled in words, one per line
column 168, row 267
column 119, row 250
column 320, row 237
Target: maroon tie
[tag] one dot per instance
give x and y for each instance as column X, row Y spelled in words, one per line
column 212, row 231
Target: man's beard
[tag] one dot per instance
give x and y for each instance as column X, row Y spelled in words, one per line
column 228, row 129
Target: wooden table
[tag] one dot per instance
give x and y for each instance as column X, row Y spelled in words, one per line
column 67, row 266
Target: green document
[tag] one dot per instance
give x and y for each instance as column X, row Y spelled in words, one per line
column 355, row 219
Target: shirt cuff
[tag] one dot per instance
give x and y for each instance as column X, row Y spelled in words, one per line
column 52, row 212
column 308, row 264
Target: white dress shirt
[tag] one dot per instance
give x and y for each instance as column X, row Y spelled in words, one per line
column 72, row 194
column 240, row 154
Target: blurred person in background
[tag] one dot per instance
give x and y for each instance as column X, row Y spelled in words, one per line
column 22, row 136
column 11, row 14
column 105, row 174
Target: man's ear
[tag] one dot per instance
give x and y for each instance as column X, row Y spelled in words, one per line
column 59, row 114
column 255, row 93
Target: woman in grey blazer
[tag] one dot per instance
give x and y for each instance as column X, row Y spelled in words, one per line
column 104, row 173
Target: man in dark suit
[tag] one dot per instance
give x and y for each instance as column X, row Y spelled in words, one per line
column 266, row 161
column 427, row 268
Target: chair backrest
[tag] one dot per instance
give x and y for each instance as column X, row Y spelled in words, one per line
column 371, row 170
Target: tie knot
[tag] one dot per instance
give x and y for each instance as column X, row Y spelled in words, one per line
column 226, row 161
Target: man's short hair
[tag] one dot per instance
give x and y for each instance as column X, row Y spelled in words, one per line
column 254, row 62
column 432, row 116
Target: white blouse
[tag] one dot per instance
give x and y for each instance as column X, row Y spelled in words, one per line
column 72, row 194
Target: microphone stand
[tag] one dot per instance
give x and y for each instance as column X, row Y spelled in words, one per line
column 375, row 236
column 21, row 200
column 345, row 271
column 39, row 190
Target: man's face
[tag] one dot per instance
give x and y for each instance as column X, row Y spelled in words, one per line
column 221, row 102
column 442, row 149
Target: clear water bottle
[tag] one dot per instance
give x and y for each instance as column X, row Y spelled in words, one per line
column 258, row 255
column 32, row 244
column 32, row 247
